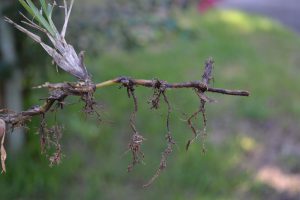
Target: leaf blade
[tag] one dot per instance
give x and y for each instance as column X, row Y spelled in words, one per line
column 27, row 8
column 44, row 6
column 40, row 17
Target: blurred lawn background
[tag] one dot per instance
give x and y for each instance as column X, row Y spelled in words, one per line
column 244, row 134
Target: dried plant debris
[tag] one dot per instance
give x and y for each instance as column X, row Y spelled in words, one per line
column 67, row 59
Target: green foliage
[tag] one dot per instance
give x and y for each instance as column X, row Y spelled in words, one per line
column 47, row 22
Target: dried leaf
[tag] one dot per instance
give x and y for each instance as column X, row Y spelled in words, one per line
column 2, row 149
column 3, row 158
column 2, row 128
column 67, row 16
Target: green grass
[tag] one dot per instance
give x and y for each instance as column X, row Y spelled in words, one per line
column 250, row 52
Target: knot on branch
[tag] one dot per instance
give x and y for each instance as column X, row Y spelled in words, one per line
column 128, row 83
column 159, row 88
column 159, row 85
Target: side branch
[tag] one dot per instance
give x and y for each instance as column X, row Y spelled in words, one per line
column 229, row 92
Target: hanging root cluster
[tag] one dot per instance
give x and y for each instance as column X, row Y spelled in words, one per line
column 136, row 139
column 66, row 58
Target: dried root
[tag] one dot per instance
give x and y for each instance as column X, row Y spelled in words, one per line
column 195, row 131
column 136, row 139
column 50, row 140
column 170, row 144
column 206, row 78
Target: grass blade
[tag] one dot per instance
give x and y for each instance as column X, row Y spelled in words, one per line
column 27, row 8
column 40, row 17
column 44, row 6
column 50, row 9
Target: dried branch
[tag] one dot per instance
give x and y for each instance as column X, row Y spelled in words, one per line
column 67, row 59
column 191, row 84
